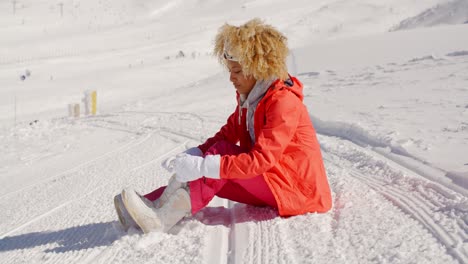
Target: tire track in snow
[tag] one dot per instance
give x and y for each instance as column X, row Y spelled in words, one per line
column 400, row 186
column 257, row 236
column 420, row 211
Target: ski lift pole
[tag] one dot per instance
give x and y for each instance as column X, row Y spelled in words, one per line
column 23, row 77
column 14, row 6
column 15, row 109
column 61, row 9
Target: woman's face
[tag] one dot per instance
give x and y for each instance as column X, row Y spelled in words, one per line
column 242, row 83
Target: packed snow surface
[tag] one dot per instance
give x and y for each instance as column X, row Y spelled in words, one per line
column 386, row 85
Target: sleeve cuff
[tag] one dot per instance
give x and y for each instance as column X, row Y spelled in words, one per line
column 211, row 166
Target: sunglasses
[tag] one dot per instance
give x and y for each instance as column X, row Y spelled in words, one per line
column 227, row 56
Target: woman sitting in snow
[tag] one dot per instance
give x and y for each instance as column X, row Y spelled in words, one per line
column 277, row 162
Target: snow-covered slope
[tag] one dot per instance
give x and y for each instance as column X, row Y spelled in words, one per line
column 123, row 43
column 390, row 109
column 453, row 12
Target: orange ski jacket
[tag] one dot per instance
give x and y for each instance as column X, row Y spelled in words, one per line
column 286, row 151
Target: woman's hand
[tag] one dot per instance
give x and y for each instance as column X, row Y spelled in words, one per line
column 189, row 168
column 168, row 164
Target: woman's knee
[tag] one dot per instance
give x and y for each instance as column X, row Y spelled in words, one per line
column 224, row 147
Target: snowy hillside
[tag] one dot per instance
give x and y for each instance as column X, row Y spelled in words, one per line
column 386, row 85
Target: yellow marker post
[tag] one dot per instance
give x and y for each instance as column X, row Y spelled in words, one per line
column 93, row 102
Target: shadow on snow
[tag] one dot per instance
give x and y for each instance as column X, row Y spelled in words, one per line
column 73, row 238
column 104, row 234
column 238, row 213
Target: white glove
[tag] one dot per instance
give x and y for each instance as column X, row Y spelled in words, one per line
column 189, row 168
column 168, row 164
column 194, row 152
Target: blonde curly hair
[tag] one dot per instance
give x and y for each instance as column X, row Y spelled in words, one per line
column 259, row 48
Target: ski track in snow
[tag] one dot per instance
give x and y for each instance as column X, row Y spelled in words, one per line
column 435, row 212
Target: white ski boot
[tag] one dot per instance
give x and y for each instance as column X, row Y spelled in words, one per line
column 161, row 219
column 127, row 221
column 124, row 218
column 171, row 187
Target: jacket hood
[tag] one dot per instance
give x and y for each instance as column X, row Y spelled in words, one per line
column 292, row 84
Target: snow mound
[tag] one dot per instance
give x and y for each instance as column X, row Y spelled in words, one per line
column 460, row 178
column 429, row 57
column 458, row 53
column 454, row 12
column 356, row 134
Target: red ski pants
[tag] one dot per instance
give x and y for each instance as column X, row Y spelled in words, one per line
column 254, row 191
